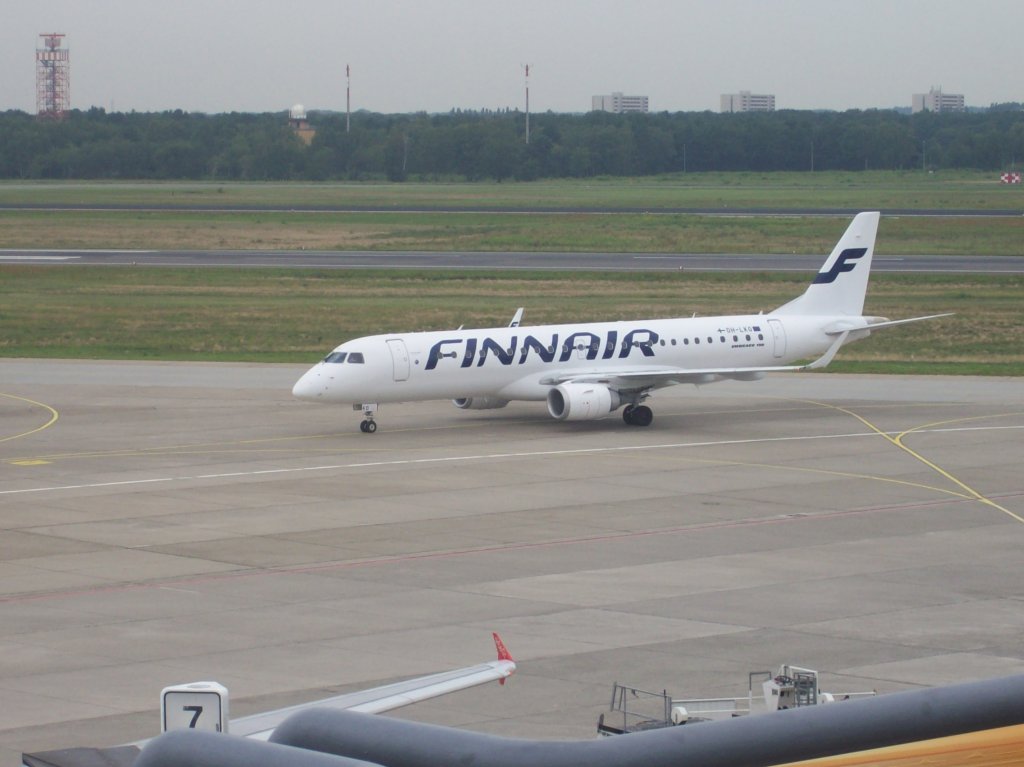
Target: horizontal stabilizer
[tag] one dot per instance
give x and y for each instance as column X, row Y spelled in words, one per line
column 868, row 323
column 894, row 323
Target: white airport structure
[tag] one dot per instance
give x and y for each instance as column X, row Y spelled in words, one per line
column 745, row 101
column 619, row 103
column 937, row 101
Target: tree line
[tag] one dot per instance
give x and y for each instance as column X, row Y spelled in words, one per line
column 491, row 145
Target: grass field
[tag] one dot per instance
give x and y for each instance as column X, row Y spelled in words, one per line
column 626, row 233
column 210, row 216
column 219, row 314
column 298, row 315
column 863, row 190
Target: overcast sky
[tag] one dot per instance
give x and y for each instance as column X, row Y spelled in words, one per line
column 435, row 55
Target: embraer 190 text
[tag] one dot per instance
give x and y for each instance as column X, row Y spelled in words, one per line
column 586, row 371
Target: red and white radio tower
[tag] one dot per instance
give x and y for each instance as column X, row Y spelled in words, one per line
column 53, row 78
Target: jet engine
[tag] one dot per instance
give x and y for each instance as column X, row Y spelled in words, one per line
column 479, row 403
column 581, row 401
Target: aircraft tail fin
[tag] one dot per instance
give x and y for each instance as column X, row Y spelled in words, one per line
column 841, row 283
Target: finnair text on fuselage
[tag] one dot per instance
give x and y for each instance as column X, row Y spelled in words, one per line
column 586, row 344
column 597, row 342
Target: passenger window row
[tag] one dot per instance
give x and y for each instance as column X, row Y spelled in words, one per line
column 711, row 339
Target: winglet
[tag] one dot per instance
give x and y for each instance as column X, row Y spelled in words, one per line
column 503, row 653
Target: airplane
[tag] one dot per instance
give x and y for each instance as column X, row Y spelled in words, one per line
column 587, row 371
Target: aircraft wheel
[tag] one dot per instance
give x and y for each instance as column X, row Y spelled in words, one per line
column 371, row 427
column 627, row 414
column 641, row 416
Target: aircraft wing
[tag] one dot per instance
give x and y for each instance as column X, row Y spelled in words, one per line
column 639, row 379
column 378, row 699
column 387, row 697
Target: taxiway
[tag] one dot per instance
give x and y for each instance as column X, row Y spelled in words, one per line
column 163, row 523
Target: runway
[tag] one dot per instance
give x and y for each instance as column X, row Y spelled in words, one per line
column 165, row 523
column 533, row 210
column 633, row 262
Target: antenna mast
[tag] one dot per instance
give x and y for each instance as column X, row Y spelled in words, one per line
column 527, row 103
column 348, row 99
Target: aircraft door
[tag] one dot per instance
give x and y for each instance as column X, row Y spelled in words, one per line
column 399, row 358
column 778, row 337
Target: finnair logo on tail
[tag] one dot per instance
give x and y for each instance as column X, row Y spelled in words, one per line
column 845, row 263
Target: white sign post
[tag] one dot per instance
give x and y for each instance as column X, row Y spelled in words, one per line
column 197, row 706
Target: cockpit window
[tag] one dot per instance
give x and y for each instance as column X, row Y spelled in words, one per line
column 335, row 357
column 355, row 358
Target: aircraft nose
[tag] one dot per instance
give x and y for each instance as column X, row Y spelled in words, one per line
column 307, row 387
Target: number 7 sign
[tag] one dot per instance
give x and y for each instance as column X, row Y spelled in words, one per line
column 197, row 706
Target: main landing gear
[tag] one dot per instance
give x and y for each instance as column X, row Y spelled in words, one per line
column 368, row 425
column 637, row 415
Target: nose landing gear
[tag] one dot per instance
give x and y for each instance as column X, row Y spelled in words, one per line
column 368, row 425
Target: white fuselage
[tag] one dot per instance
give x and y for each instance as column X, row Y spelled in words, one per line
column 521, row 363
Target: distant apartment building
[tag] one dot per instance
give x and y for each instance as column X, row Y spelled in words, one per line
column 937, row 101
column 745, row 101
column 618, row 103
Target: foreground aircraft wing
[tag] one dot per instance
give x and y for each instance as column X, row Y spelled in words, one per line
column 388, row 697
column 378, row 699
